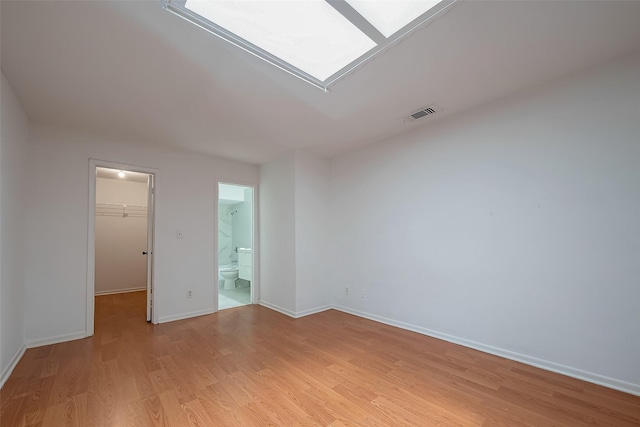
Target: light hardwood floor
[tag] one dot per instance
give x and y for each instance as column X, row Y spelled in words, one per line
column 253, row 366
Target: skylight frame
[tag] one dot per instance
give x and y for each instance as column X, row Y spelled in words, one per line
column 177, row 7
column 308, row 34
column 389, row 17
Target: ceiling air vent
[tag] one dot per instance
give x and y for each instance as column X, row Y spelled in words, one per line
column 431, row 109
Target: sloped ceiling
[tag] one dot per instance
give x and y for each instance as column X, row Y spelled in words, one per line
column 133, row 71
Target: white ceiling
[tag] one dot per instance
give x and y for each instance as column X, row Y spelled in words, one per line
column 129, row 176
column 131, row 70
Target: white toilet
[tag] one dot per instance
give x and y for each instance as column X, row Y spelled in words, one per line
column 229, row 273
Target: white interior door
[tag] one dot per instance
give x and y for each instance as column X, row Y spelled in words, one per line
column 150, row 220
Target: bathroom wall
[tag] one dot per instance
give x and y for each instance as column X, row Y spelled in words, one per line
column 230, row 192
column 120, row 265
column 242, row 224
column 225, row 233
column 234, row 223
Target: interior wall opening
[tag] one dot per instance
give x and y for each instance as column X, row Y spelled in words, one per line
column 235, row 245
column 122, row 245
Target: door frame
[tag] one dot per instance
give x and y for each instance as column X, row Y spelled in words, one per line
column 91, row 236
column 151, row 238
column 255, row 238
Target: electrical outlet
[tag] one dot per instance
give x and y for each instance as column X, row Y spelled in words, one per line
column 189, row 294
column 363, row 294
column 346, row 290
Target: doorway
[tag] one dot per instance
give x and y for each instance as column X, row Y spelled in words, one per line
column 121, row 239
column 236, row 284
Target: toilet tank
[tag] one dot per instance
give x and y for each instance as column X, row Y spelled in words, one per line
column 245, row 260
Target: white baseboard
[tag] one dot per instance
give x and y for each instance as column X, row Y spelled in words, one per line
column 183, row 316
column 591, row 377
column 6, row 372
column 295, row 314
column 36, row 343
column 311, row 311
column 120, row 291
column 277, row 308
column 56, row 339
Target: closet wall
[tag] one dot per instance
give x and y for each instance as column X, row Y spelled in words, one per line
column 121, row 236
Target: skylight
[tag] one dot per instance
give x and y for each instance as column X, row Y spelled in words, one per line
column 318, row 41
column 310, row 35
column 390, row 17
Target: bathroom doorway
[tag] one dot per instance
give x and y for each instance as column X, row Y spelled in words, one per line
column 235, row 282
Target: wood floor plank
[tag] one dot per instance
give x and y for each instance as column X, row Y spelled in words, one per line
column 251, row 366
column 196, row 414
column 218, row 405
column 344, row 410
column 13, row 411
column 37, row 401
column 292, row 390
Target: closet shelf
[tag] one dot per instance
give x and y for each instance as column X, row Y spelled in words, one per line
column 121, row 210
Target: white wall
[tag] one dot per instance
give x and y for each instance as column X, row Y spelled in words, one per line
column 313, row 281
column 277, row 235
column 234, row 231
column 514, row 227
column 120, row 265
column 121, row 191
column 231, row 192
column 293, row 223
column 57, row 227
column 225, row 233
column 242, row 236
column 13, row 164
